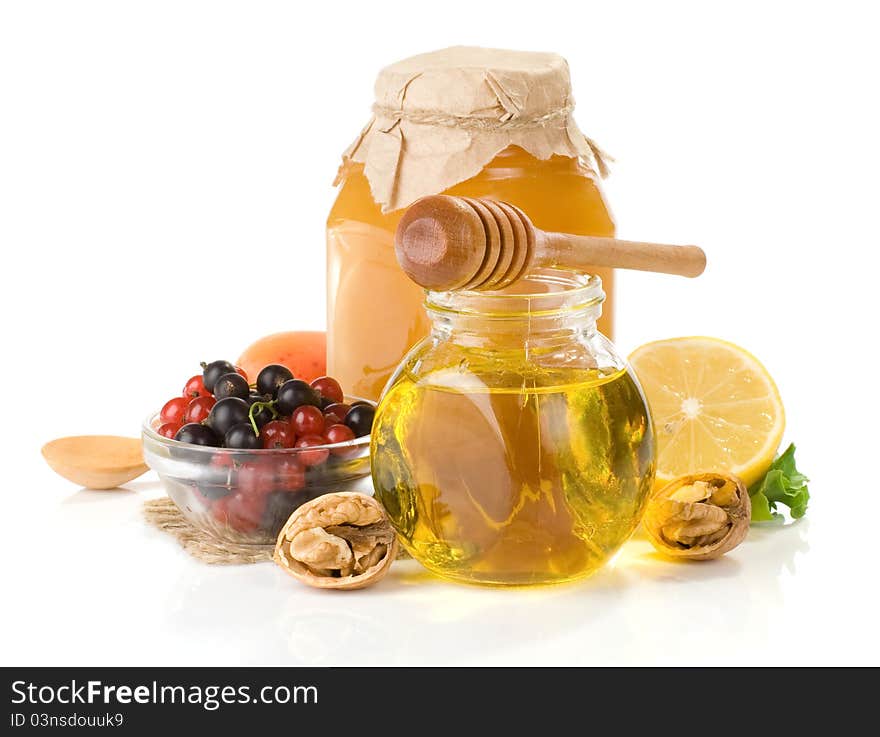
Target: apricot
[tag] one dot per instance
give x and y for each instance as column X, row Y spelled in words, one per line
column 304, row 352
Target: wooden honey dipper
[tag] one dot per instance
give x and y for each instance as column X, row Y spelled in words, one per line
column 446, row 243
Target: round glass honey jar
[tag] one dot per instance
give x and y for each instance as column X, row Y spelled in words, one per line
column 513, row 445
column 460, row 121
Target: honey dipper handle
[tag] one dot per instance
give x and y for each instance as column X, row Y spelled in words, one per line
column 563, row 249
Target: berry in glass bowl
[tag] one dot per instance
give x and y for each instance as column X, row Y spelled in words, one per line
column 241, row 469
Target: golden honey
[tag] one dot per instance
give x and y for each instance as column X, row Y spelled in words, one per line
column 513, row 446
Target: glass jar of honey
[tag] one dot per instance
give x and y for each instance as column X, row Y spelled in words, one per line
column 462, row 121
column 512, row 445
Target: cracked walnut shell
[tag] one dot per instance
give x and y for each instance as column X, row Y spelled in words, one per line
column 700, row 516
column 337, row 541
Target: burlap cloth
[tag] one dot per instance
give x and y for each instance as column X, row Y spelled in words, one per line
column 164, row 515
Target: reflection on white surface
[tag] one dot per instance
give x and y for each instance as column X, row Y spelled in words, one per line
column 412, row 616
column 132, row 596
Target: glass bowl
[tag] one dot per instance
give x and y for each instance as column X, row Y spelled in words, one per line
column 246, row 496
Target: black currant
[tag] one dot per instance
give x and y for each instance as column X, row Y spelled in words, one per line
column 231, row 385
column 213, row 491
column 226, row 413
column 325, row 402
column 279, row 506
column 360, row 419
column 213, row 371
column 242, row 437
column 197, row 434
column 263, row 414
column 295, row 393
column 270, row 379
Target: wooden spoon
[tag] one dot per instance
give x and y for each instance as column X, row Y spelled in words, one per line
column 96, row 461
column 445, row 243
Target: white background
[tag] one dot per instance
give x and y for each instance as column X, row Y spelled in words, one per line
column 165, row 172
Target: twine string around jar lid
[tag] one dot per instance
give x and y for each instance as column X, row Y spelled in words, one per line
column 506, row 122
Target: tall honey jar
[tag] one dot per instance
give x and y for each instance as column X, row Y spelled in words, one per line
column 462, row 121
column 513, row 445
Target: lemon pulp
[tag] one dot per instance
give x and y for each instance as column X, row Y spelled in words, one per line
column 714, row 406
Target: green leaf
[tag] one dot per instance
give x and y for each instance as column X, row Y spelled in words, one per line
column 760, row 508
column 782, row 484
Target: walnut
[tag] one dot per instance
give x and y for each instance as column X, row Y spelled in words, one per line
column 699, row 517
column 337, row 541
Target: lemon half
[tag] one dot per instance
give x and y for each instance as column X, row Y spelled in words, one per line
column 715, row 407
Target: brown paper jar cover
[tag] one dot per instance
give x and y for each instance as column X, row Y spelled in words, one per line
column 440, row 117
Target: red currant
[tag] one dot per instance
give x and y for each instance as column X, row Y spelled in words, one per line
column 218, row 508
column 239, row 511
column 169, row 429
column 174, row 410
column 335, row 414
column 256, row 478
column 198, row 409
column 340, row 434
column 308, row 456
column 290, row 475
column 307, row 420
column 240, row 370
column 195, row 387
column 329, row 388
column 278, row 434
column 221, row 467
column 223, row 460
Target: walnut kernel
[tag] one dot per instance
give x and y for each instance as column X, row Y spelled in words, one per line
column 699, row 517
column 337, row 541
